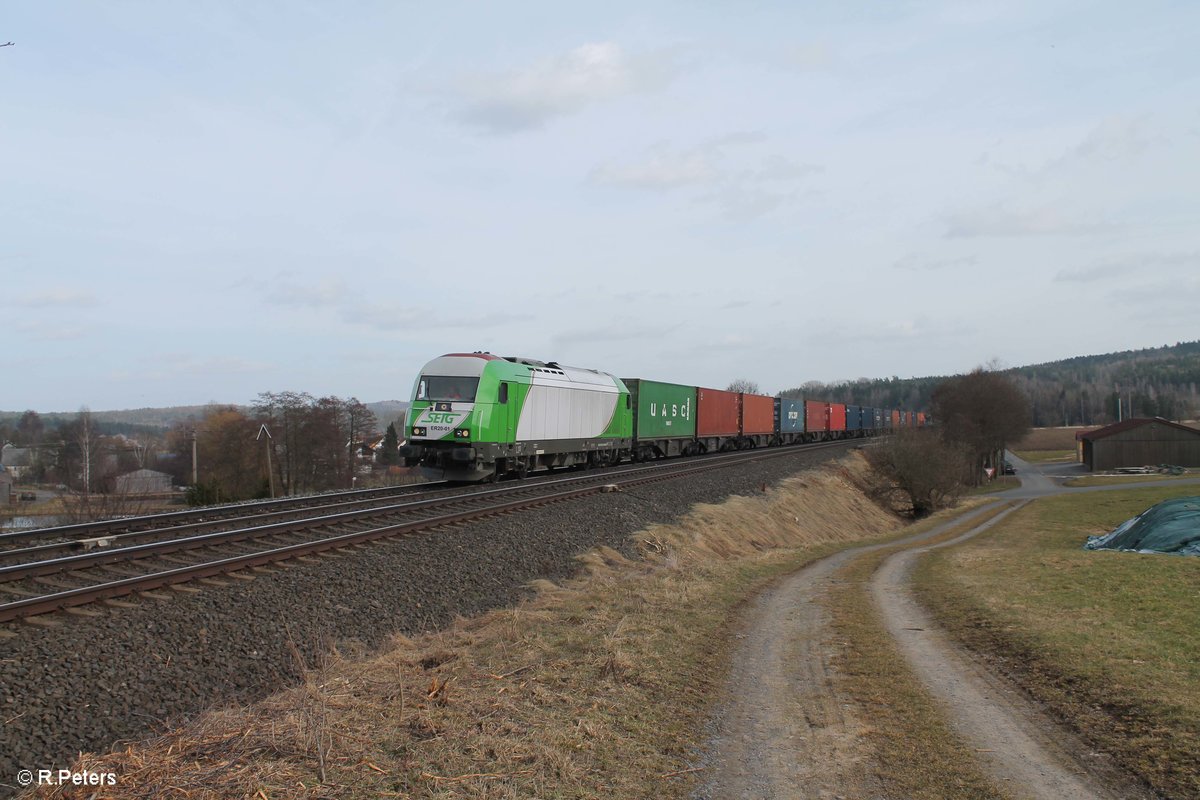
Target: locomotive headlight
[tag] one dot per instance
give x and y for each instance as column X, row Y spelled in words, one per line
column 418, row 431
column 463, row 433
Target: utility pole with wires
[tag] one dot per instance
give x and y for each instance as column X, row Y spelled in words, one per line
column 270, row 442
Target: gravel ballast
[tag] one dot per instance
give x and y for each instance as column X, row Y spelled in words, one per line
column 86, row 682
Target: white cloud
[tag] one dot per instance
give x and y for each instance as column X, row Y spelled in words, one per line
column 663, row 171
column 326, row 294
column 1134, row 265
column 530, row 97
column 743, row 184
column 997, row 220
column 54, row 298
column 915, row 263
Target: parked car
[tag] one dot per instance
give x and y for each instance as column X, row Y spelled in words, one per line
column 27, row 496
column 1008, row 469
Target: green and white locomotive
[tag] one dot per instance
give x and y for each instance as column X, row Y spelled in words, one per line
column 476, row 416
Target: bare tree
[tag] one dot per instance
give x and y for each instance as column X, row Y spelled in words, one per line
column 742, row 385
column 921, row 468
column 983, row 411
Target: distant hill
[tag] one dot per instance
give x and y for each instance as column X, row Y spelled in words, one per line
column 1162, row 381
column 386, row 411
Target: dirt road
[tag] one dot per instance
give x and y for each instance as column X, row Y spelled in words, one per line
column 783, row 731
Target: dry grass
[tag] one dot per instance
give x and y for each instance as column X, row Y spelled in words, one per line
column 1049, row 439
column 1108, row 641
column 917, row 755
column 596, row 688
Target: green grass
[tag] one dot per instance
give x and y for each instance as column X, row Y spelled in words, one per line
column 1044, row 456
column 917, row 754
column 1108, row 640
column 1113, row 480
column 1001, row 484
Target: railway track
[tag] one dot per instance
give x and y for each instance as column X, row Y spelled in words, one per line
column 128, row 563
column 66, row 534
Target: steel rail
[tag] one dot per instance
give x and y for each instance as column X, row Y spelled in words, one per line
column 148, row 522
column 42, row 604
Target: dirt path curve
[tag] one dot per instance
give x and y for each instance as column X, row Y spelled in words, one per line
column 782, row 731
column 1024, row 750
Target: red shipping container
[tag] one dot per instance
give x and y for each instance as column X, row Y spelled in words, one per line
column 816, row 416
column 920, row 418
column 837, row 416
column 758, row 414
column 896, row 419
column 717, row 413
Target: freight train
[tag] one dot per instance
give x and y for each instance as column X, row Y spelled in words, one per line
column 477, row 416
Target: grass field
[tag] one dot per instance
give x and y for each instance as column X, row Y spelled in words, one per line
column 1107, row 640
column 1059, row 439
column 1046, row 456
column 1113, row 480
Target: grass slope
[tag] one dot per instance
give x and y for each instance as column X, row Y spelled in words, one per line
column 1107, row 640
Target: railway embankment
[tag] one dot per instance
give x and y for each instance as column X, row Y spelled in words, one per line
column 79, row 682
column 595, row 685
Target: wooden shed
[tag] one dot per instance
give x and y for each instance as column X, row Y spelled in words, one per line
column 1138, row 442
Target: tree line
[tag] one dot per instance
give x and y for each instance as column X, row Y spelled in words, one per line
column 1086, row 390
column 315, row 443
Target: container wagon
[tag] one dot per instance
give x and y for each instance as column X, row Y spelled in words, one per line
column 664, row 419
column 758, row 420
column 789, row 420
column 816, row 420
column 718, row 419
column 837, row 419
column 853, row 420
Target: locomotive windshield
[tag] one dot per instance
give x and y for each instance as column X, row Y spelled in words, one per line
column 436, row 387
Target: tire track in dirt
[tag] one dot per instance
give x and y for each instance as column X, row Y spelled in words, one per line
column 782, row 730
column 1023, row 750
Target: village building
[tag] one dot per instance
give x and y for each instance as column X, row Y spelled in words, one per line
column 143, row 481
column 16, row 460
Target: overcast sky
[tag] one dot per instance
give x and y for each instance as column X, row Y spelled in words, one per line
column 204, row 201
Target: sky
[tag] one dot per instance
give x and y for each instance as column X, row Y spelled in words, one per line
column 203, row 201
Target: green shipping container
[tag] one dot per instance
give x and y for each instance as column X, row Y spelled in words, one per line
column 662, row 410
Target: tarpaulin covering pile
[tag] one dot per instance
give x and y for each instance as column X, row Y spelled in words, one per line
column 1172, row 526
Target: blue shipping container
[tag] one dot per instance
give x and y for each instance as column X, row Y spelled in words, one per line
column 789, row 414
column 853, row 417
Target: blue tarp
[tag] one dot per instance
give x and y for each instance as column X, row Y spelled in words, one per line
column 1172, row 526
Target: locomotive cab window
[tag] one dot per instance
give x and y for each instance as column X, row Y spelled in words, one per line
column 437, row 387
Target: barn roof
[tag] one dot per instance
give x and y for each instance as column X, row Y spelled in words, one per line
column 1130, row 424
